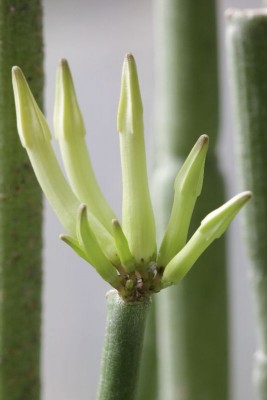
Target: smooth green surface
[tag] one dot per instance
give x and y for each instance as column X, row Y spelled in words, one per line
column 94, row 252
column 70, row 132
column 137, row 215
column 35, row 136
column 210, row 229
column 187, row 187
column 20, row 210
column 192, row 317
column 247, row 49
column 186, row 75
column 125, row 327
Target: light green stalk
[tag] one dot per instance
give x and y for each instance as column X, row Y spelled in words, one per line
column 122, row 348
column 70, row 132
column 20, row 210
column 192, row 317
column 247, row 51
column 137, row 214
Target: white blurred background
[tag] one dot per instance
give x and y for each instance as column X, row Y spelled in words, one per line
column 94, row 36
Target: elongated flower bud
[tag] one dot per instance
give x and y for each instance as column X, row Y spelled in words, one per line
column 211, row 228
column 70, row 132
column 187, row 187
column 137, row 214
column 95, row 255
column 126, row 257
column 75, row 245
column 35, row 137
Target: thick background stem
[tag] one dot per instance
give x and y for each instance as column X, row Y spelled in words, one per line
column 192, row 317
column 247, row 46
column 122, row 348
column 20, row 209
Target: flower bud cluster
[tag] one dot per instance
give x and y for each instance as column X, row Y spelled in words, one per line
column 125, row 254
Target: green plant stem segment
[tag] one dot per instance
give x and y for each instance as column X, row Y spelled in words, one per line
column 192, row 317
column 148, row 379
column 122, row 348
column 247, row 50
column 20, row 209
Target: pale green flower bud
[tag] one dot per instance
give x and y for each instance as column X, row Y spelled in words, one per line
column 126, row 257
column 137, row 214
column 187, row 187
column 94, row 252
column 35, row 137
column 211, row 228
column 75, row 245
column 70, row 132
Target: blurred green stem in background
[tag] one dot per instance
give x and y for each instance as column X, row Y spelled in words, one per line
column 192, row 317
column 247, row 52
column 20, row 209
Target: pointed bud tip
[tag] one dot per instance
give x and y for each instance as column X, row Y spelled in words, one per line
column 63, row 62
column 216, row 223
column 81, row 214
column 16, row 71
column 63, row 66
column 82, row 208
column 31, row 123
column 68, row 120
column 129, row 72
column 202, row 143
column 247, row 194
column 129, row 58
column 203, row 139
column 243, row 197
column 115, row 223
column 130, row 111
column 17, row 75
column 189, row 179
column 240, row 199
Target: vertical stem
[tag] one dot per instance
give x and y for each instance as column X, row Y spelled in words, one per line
column 148, row 378
column 122, row 348
column 20, row 210
column 192, row 318
column 247, row 47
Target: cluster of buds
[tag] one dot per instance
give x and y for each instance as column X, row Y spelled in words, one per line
column 125, row 255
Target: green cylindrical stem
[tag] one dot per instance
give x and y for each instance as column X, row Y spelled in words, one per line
column 20, row 210
column 122, row 348
column 247, row 47
column 195, row 349
column 148, row 379
column 192, row 319
column 186, row 75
